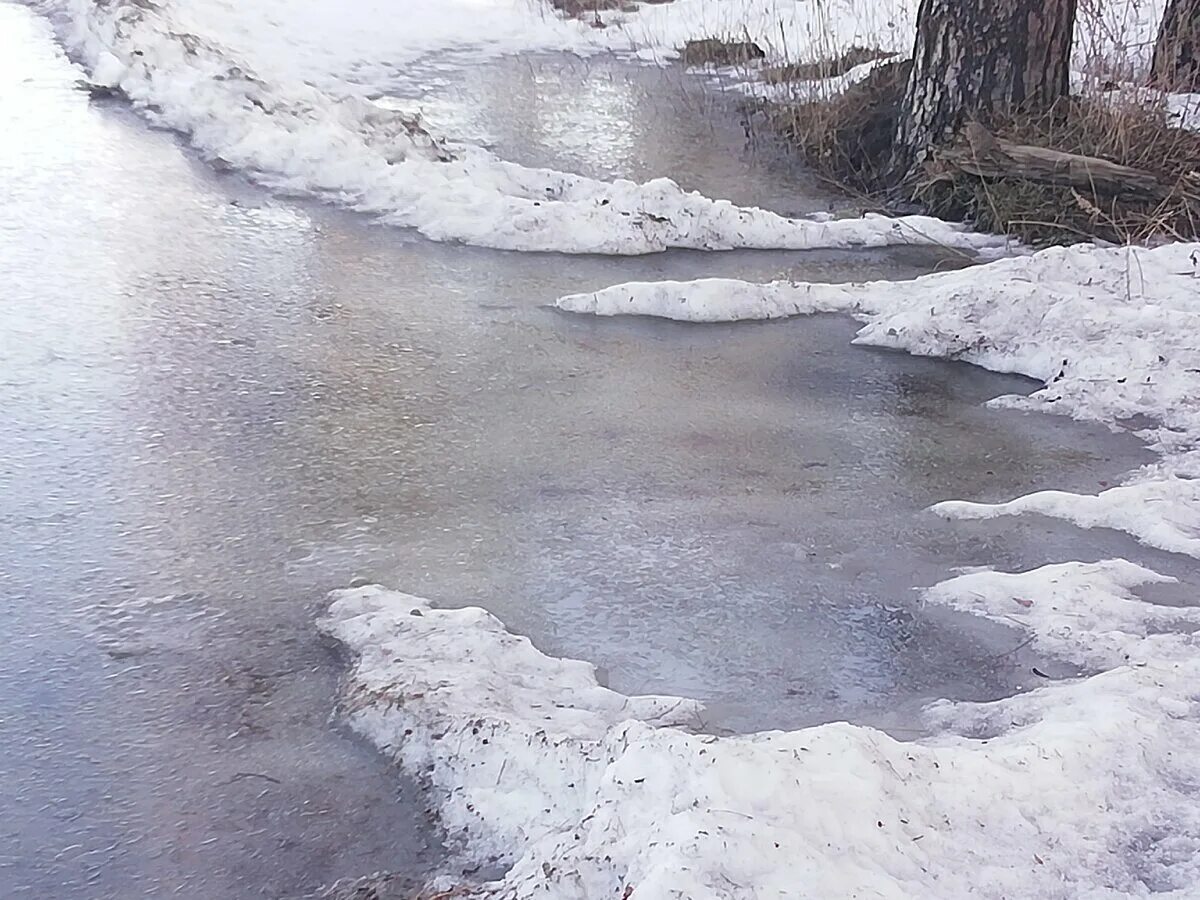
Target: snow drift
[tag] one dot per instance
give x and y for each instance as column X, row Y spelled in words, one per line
column 1080, row 789
column 341, row 146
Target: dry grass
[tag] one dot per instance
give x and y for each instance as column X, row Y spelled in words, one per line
column 1124, row 132
column 844, row 132
column 847, row 138
column 825, row 67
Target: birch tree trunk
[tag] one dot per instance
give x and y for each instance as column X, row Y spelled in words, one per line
column 1177, row 50
column 976, row 58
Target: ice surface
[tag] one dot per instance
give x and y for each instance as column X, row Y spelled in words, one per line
column 1111, row 332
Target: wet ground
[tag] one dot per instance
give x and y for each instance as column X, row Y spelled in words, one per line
column 218, row 406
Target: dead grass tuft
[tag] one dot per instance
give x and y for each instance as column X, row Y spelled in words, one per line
column 720, row 52
column 847, row 138
column 1125, row 132
column 827, row 67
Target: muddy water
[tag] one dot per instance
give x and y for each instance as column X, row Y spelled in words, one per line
column 219, row 405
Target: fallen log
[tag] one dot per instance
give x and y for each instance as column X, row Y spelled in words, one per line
column 988, row 157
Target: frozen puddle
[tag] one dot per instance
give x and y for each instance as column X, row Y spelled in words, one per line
column 1084, row 786
column 220, row 405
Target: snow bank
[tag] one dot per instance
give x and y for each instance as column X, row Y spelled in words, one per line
column 431, row 686
column 296, row 137
column 1113, row 333
column 282, row 91
column 1081, row 789
column 1163, row 513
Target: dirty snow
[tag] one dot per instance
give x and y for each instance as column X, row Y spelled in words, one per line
column 587, row 794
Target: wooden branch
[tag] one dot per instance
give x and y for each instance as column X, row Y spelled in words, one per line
column 988, row 157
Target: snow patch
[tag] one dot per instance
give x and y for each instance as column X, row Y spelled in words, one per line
column 711, row 300
column 1163, row 513
column 1085, row 612
column 451, row 691
column 587, row 794
column 1184, row 109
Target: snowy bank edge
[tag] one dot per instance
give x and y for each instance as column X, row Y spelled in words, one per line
column 586, row 793
column 295, row 137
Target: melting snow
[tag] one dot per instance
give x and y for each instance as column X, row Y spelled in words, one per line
column 292, row 135
column 588, row 794
column 1113, row 333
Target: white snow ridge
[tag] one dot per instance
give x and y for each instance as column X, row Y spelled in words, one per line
column 296, row 137
column 590, row 794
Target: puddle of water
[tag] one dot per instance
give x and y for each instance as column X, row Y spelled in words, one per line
column 607, row 119
column 219, row 406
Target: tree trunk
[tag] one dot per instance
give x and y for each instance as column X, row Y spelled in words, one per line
column 976, row 58
column 1177, row 50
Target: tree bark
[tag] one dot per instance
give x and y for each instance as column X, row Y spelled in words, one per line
column 1177, row 50
column 977, row 58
